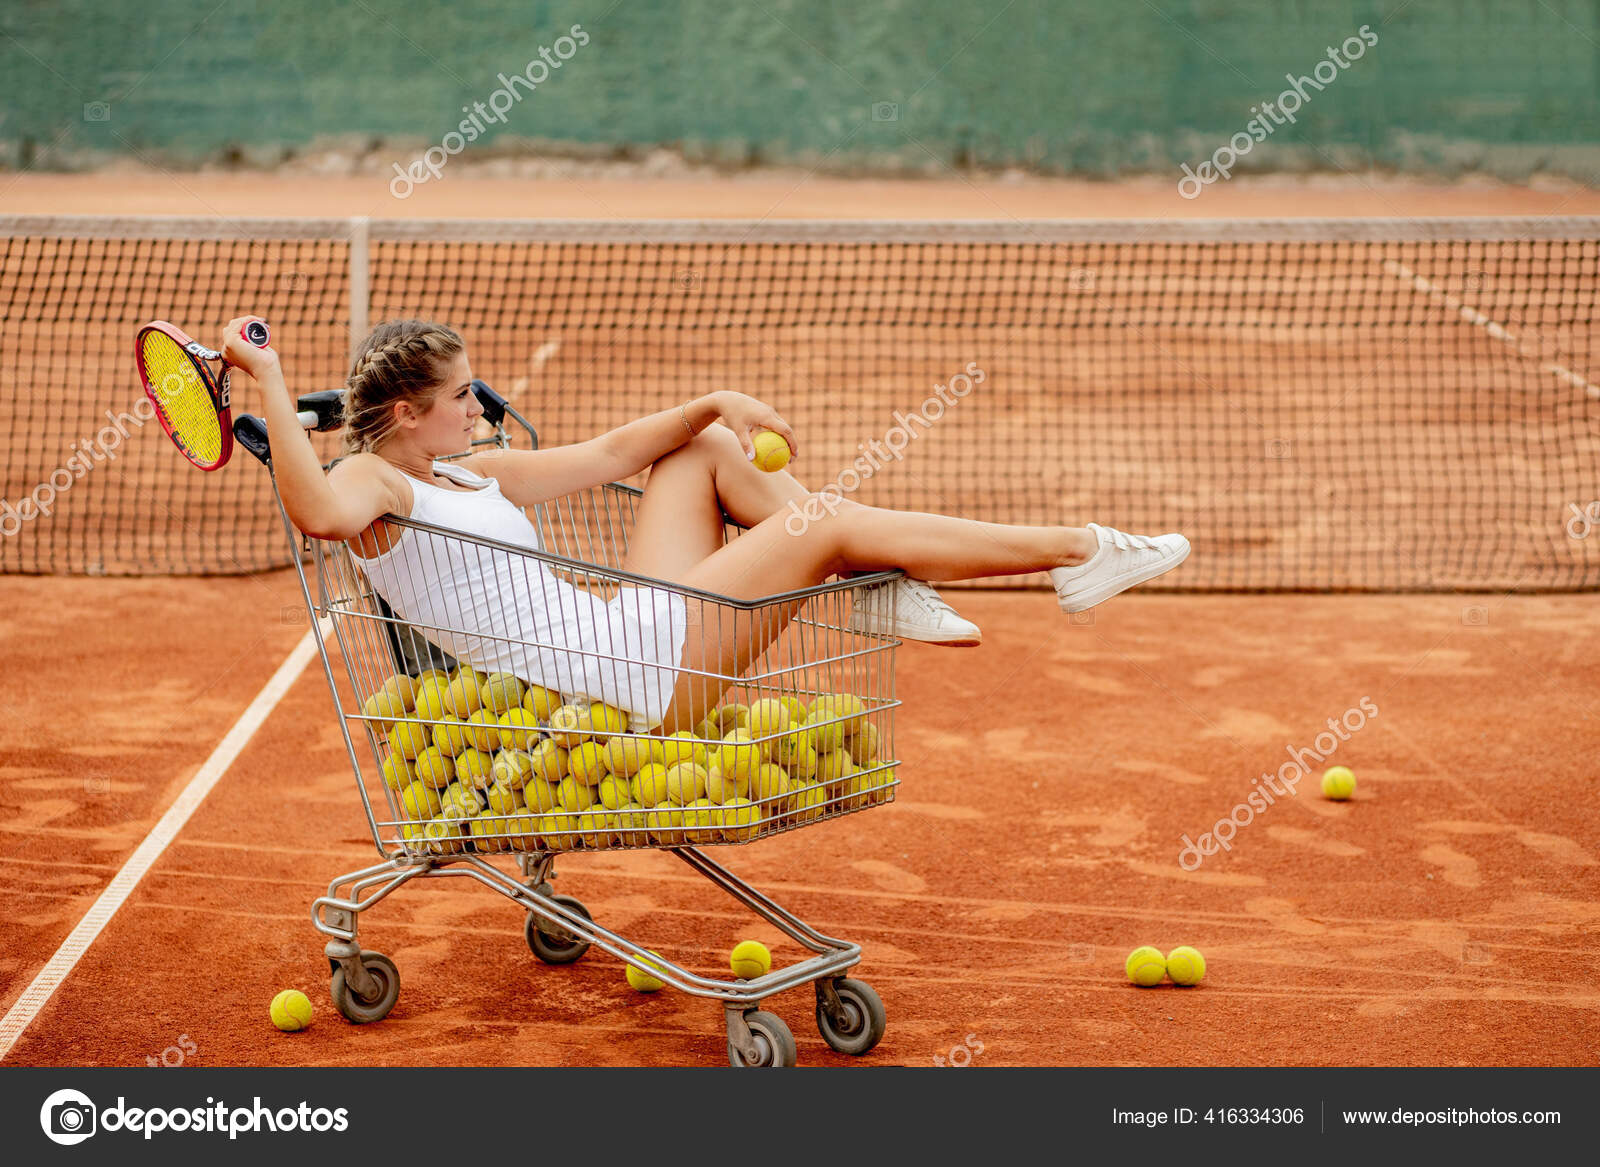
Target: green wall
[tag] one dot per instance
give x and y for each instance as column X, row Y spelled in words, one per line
column 1107, row 87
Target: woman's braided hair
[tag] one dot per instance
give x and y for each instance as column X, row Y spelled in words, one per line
column 402, row 360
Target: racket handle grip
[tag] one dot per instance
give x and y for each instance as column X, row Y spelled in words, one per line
column 257, row 333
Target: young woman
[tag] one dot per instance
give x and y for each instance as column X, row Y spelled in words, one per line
column 409, row 402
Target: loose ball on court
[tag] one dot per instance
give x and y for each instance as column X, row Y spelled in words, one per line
column 750, row 959
column 291, row 1011
column 1186, row 966
column 1145, row 966
column 1338, row 783
column 772, row 452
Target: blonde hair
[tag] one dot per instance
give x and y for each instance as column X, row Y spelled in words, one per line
column 401, row 360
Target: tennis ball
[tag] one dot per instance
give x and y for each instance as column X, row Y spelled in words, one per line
column 772, row 451
column 482, row 730
column 796, row 707
column 432, row 675
column 541, row 702
column 511, row 768
column 731, row 717
column 797, row 757
column 1145, row 966
column 649, row 785
column 750, row 959
column 834, row 766
column 699, row 821
column 881, row 788
column 606, row 720
column 767, row 717
column 474, row 768
column 442, row 834
column 596, row 828
column 709, row 730
column 449, row 735
column 569, row 726
column 486, row 834
column 462, row 697
column 574, row 795
column 681, row 747
column 519, row 729
column 291, row 1011
column 810, row 802
column 397, row 772
column 421, row 802
column 403, row 687
column 722, row 788
column 859, row 788
column 466, row 801
column 864, row 746
column 432, row 701
column 625, row 756
column 541, row 796
column 586, row 762
column 614, row 792
column 825, row 733
column 504, row 800
column 435, row 767
column 769, row 786
column 628, row 820
column 666, row 824
column 845, row 705
column 1185, row 966
column 554, row 828
column 549, row 761
column 1338, row 783
column 738, row 757
column 642, row 980
column 384, row 704
column 408, row 738
column 501, row 693
column 685, row 783
column 738, row 819
column 519, row 830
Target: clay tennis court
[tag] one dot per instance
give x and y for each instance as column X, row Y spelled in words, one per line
column 1446, row 915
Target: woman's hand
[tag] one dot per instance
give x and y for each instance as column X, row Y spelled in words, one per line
column 744, row 415
column 241, row 354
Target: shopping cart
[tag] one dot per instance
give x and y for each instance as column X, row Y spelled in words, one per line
column 803, row 735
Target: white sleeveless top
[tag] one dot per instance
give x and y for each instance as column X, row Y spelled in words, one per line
column 502, row 612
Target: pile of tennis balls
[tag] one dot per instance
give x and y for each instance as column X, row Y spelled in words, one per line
column 490, row 763
column 1146, row 966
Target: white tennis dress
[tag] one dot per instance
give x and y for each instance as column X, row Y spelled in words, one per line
column 503, row 612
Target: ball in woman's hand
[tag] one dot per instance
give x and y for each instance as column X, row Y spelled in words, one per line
column 772, row 451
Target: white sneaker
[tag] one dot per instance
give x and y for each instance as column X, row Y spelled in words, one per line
column 1123, row 561
column 920, row 613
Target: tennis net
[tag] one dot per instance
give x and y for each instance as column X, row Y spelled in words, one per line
column 1350, row 405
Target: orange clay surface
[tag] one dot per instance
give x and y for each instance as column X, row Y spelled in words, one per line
column 1447, row 915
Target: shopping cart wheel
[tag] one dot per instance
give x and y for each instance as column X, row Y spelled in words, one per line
column 376, row 1007
column 858, row 1023
column 774, row 1043
column 552, row 943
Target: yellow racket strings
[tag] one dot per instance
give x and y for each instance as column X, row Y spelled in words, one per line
column 182, row 397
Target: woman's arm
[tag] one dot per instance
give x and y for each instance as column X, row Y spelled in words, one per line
column 528, row 477
column 365, row 490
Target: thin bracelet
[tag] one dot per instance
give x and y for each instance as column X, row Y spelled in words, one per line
column 684, row 413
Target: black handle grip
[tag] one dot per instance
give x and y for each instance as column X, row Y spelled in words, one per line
column 251, row 433
column 257, row 333
column 494, row 405
column 328, row 405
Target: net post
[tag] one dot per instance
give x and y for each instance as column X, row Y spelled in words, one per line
column 360, row 282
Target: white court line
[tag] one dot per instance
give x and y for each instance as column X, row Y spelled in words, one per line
column 50, row 978
column 1472, row 316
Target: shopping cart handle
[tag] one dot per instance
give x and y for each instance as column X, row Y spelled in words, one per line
column 494, row 405
column 250, row 432
column 328, row 406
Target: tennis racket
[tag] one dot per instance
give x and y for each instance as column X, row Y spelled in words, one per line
column 190, row 399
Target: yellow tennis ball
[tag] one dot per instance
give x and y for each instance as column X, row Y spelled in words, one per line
column 431, row 700
column 435, row 767
column 1186, row 966
column 699, row 821
column 586, row 762
column 486, row 834
column 397, row 771
column 681, row 747
column 408, row 738
column 643, row 981
column 1145, row 966
column 628, row 820
column 501, row 693
column 797, row 757
column 462, row 697
column 541, row 702
column 864, row 745
column 575, row 795
column 685, row 783
column 511, row 768
column 466, row 801
column 826, row 735
column 595, row 827
column 767, row 717
column 666, row 823
column 606, row 720
column 383, row 703
column 569, row 726
column 443, row 834
column 649, row 785
column 519, row 729
column 739, row 756
column 772, row 451
column 291, row 1011
column 541, row 796
column 450, row 734
column 549, row 761
column 709, row 730
column 403, row 687
column 845, row 705
column 626, row 756
column 738, row 819
column 833, row 766
column 614, row 792
column 722, row 788
column 474, row 767
column 482, row 730
column 1338, row 783
column 750, row 959
column 504, row 800
column 731, row 717
column 810, row 802
column 421, row 801
column 769, row 786
column 796, row 707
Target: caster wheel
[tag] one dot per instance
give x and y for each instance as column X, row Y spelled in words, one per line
column 773, row 1040
column 863, row 1022
column 552, row 943
column 364, row 1009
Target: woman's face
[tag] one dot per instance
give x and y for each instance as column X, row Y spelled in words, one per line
column 446, row 428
